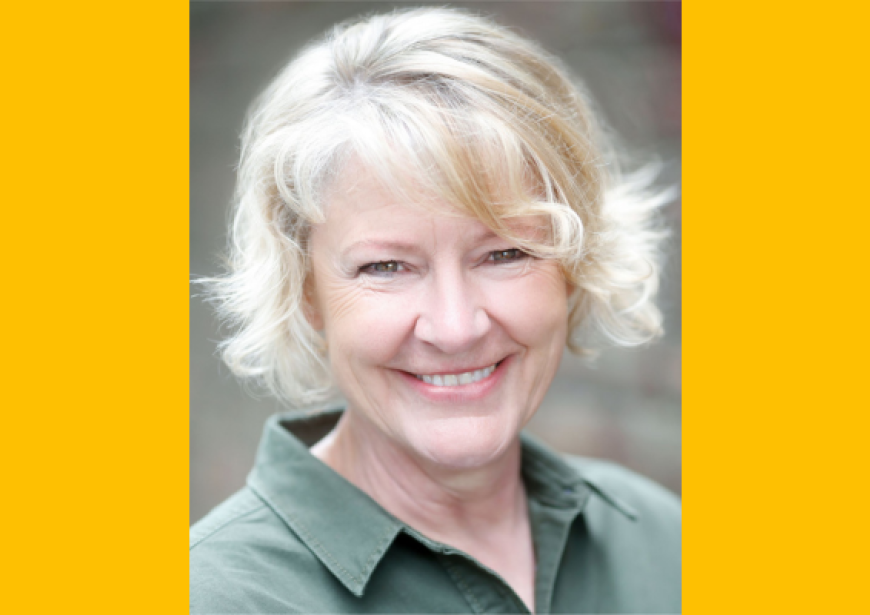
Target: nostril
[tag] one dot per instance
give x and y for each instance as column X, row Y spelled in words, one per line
column 451, row 316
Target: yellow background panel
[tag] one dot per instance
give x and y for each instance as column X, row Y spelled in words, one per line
column 94, row 225
column 775, row 343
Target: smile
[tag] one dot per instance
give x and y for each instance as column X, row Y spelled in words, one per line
column 452, row 380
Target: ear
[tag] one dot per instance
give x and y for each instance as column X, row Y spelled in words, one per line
column 310, row 304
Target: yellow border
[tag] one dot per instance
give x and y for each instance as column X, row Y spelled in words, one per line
column 95, row 187
column 95, row 295
column 775, row 411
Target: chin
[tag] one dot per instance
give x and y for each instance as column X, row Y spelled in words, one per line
column 463, row 442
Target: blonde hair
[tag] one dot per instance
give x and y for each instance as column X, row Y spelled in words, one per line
column 450, row 104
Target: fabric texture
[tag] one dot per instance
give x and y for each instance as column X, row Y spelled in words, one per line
column 299, row 538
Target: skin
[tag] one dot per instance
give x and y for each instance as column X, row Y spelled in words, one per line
column 399, row 290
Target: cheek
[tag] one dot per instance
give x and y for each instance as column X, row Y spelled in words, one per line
column 363, row 325
column 537, row 313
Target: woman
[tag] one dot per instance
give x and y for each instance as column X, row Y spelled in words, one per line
column 426, row 215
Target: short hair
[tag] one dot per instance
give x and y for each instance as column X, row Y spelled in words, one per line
column 477, row 116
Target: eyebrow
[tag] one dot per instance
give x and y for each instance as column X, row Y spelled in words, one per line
column 397, row 246
column 483, row 235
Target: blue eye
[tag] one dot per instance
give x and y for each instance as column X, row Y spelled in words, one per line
column 512, row 254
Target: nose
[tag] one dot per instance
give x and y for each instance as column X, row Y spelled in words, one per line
column 452, row 317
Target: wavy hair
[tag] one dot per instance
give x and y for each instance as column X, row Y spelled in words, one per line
column 452, row 104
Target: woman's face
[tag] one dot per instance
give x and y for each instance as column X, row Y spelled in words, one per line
column 442, row 336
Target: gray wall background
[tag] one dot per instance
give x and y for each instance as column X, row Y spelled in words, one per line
column 628, row 407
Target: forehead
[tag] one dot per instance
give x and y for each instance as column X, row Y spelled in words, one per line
column 359, row 201
column 361, row 192
column 361, row 210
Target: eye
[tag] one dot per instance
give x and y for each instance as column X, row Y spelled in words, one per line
column 512, row 254
column 382, row 267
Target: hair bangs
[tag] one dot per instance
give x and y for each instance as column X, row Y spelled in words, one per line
column 431, row 153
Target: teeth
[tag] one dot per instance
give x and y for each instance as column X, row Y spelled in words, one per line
column 452, row 380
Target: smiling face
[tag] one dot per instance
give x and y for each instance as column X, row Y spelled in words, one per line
column 442, row 336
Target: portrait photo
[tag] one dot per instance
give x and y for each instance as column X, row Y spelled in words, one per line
column 435, row 318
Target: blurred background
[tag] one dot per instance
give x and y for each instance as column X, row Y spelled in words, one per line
column 628, row 406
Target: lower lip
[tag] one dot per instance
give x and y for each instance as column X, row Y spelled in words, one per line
column 459, row 393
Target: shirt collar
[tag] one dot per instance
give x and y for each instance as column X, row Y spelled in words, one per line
column 324, row 510
column 347, row 530
column 550, row 479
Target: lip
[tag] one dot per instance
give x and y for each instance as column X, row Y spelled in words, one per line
column 459, row 393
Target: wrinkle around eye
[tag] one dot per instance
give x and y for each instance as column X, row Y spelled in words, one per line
column 381, row 282
column 342, row 299
column 523, row 265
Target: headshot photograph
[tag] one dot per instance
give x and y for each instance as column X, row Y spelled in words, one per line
column 435, row 314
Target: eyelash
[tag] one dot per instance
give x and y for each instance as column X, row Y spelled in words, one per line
column 496, row 256
column 373, row 267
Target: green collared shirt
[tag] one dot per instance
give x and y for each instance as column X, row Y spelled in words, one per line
column 300, row 539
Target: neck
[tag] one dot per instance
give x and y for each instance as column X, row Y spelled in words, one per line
column 451, row 505
column 481, row 511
